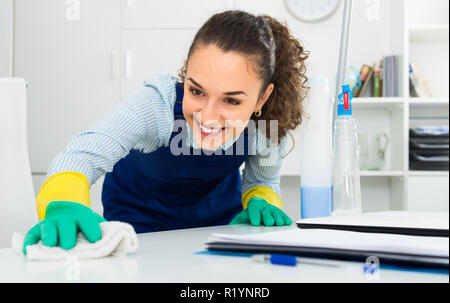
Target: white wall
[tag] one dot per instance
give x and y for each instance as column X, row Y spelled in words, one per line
column 428, row 12
column 6, row 37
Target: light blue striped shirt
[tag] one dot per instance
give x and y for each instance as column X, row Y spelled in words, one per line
column 144, row 121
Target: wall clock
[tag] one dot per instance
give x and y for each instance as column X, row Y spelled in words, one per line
column 312, row 10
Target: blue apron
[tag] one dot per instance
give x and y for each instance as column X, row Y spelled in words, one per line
column 160, row 191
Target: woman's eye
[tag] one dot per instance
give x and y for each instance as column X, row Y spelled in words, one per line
column 232, row 101
column 195, row 92
column 198, row 93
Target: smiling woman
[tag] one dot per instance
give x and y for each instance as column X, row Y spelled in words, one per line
column 258, row 60
column 223, row 96
column 241, row 69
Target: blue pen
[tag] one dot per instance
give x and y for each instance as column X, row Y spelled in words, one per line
column 289, row 260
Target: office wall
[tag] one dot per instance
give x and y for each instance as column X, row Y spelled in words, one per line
column 428, row 12
column 6, row 37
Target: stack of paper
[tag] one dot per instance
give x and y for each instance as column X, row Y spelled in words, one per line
column 347, row 245
column 393, row 222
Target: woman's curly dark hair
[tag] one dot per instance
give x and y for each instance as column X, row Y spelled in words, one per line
column 279, row 59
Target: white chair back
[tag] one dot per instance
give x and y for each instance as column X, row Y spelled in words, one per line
column 17, row 198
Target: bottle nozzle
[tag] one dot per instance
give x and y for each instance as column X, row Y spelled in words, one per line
column 346, row 88
column 345, row 101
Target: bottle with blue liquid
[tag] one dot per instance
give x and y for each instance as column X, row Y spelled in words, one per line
column 316, row 152
column 346, row 178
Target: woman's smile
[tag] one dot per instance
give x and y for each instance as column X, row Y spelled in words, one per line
column 208, row 132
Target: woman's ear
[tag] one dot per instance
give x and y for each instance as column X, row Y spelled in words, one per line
column 265, row 96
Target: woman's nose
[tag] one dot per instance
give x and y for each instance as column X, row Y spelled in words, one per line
column 210, row 115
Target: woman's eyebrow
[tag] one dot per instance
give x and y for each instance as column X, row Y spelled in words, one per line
column 227, row 93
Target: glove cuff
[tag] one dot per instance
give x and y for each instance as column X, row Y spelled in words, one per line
column 263, row 192
column 64, row 186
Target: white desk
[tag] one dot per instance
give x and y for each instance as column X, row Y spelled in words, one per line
column 170, row 257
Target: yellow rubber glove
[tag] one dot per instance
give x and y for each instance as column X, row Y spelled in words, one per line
column 260, row 212
column 64, row 186
column 261, row 192
column 63, row 208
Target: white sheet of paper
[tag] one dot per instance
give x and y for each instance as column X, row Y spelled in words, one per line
column 427, row 220
column 334, row 239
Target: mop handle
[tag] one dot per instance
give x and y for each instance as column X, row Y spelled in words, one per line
column 343, row 53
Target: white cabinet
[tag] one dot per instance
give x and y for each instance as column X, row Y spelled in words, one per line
column 427, row 33
column 150, row 51
column 68, row 53
column 171, row 13
column 428, row 193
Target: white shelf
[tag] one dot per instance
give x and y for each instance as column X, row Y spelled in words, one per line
column 363, row 173
column 378, row 102
column 289, row 173
column 382, row 100
column 428, row 173
column 382, row 173
column 429, row 33
column 428, row 101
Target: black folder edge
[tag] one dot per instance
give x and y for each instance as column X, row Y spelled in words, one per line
column 423, row 232
column 406, row 260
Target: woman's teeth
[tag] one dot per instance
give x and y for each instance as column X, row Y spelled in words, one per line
column 210, row 131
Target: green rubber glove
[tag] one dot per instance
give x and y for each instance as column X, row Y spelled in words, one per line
column 63, row 220
column 258, row 210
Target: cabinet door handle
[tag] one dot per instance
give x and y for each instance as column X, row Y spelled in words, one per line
column 127, row 64
column 114, row 65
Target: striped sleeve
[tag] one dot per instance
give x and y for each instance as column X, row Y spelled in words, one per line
column 262, row 172
column 142, row 121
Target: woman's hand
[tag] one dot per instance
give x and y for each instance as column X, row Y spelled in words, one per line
column 61, row 224
column 259, row 211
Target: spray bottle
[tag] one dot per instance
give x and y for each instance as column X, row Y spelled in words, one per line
column 346, row 179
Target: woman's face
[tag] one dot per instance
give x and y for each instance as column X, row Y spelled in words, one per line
column 220, row 95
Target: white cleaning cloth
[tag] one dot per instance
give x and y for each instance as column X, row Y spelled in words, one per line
column 117, row 238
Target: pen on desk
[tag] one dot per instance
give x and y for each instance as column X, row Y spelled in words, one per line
column 289, row 260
